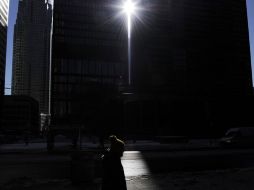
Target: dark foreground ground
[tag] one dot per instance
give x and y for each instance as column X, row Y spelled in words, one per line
column 234, row 179
column 220, row 169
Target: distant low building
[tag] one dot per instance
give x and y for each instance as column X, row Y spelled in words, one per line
column 20, row 114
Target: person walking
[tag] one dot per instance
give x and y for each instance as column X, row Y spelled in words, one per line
column 113, row 173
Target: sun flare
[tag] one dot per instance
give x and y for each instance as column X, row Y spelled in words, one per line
column 129, row 7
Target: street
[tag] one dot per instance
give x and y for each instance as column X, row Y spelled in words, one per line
column 135, row 163
column 143, row 170
column 144, row 163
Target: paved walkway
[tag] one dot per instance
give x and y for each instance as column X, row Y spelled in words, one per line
column 233, row 179
column 139, row 145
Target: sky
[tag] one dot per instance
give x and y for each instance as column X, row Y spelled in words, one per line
column 12, row 19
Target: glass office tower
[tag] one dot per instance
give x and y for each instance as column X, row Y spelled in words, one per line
column 88, row 60
column 4, row 8
column 31, row 51
column 188, row 56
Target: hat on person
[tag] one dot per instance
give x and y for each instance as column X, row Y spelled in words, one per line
column 112, row 137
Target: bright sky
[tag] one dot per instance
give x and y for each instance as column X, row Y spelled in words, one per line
column 12, row 19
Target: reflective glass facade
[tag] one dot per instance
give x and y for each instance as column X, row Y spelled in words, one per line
column 4, row 7
column 193, row 48
column 31, row 51
column 88, row 56
column 184, row 53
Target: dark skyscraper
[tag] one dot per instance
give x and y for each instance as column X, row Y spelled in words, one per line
column 31, row 51
column 87, row 59
column 186, row 55
column 4, row 8
column 193, row 47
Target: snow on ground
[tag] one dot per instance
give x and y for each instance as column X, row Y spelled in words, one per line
column 234, row 179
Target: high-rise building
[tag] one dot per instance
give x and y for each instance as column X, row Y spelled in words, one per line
column 195, row 57
column 88, row 58
column 4, row 7
column 31, row 52
column 189, row 50
column 193, row 47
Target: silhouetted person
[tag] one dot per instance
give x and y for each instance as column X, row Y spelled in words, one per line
column 113, row 173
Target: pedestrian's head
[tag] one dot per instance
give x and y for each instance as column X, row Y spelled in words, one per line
column 112, row 138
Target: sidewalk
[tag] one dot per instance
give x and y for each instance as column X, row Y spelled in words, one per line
column 194, row 144
column 233, row 179
column 129, row 146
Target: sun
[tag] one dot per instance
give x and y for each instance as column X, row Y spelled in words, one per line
column 129, row 7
